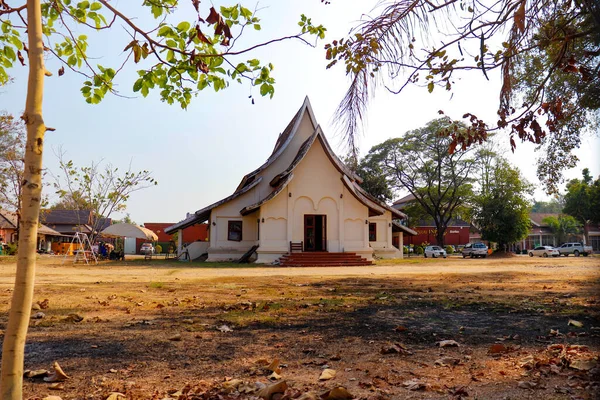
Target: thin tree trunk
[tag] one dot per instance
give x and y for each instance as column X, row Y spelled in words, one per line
column 13, row 349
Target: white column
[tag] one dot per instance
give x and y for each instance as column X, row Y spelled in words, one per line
column 401, row 243
column 341, row 221
column 290, row 215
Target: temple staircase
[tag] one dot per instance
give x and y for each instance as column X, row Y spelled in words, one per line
column 322, row 259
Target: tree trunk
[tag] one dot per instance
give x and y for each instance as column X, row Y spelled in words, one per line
column 439, row 235
column 13, row 349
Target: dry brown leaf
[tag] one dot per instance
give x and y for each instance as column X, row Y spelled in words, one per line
column 38, row 373
column 58, row 375
column 527, row 362
column 274, row 366
column 520, row 17
column 497, row 348
column 447, row 361
column 338, row 393
column 175, row 338
column 73, row 318
column 327, row 374
column 414, row 384
column 308, row 396
column 57, row 386
column 448, row 343
column 395, row 348
column 526, row 385
column 232, row 385
column 116, row 396
column 268, row 392
column 575, row 323
column 583, row 364
column 274, row 377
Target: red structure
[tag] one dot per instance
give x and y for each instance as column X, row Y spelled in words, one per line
column 456, row 234
column 191, row 234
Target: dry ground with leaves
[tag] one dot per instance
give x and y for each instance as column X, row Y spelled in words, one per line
column 514, row 328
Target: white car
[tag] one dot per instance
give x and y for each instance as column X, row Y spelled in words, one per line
column 147, row 248
column 434, row 251
column 544, row 251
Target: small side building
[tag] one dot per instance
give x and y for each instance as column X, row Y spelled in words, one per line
column 8, row 231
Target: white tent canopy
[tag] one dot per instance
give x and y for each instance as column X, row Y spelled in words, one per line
column 128, row 230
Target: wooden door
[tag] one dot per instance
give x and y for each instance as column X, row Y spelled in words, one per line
column 315, row 232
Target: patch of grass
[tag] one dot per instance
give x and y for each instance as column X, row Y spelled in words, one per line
column 245, row 318
column 156, row 285
column 161, row 263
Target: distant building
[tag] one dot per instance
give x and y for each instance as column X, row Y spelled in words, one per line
column 8, row 231
column 68, row 222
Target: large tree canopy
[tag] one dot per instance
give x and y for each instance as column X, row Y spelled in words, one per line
column 546, row 53
column 420, row 163
column 502, row 212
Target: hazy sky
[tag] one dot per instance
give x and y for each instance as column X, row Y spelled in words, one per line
column 199, row 156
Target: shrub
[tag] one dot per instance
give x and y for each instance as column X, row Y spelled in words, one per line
column 449, row 249
column 419, row 250
column 10, row 249
column 158, row 249
column 405, row 250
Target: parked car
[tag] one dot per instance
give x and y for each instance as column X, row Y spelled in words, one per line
column 147, row 248
column 544, row 251
column 434, row 252
column 575, row 248
column 475, row 250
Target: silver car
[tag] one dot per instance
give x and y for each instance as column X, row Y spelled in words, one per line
column 544, row 251
column 434, row 251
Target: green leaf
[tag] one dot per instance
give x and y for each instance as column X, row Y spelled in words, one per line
column 95, row 6
column 184, row 26
column 264, row 89
column 10, row 53
column 430, row 86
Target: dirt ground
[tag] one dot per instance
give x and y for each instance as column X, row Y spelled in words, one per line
column 513, row 328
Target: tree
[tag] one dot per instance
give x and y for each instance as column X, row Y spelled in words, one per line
column 554, row 206
column 12, row 151
column 102, row 190
column 374, row 179
column 502, row 212
column 177, row 58
column 562, row 227
column 419, row 162
column 582, row 201
column 546, row 53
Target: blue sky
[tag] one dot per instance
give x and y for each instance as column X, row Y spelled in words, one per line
column 199, row 156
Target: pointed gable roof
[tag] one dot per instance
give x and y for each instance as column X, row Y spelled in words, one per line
column 281, row 180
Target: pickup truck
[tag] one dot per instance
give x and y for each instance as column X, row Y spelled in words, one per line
column 575, row 248
column 475, row 250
